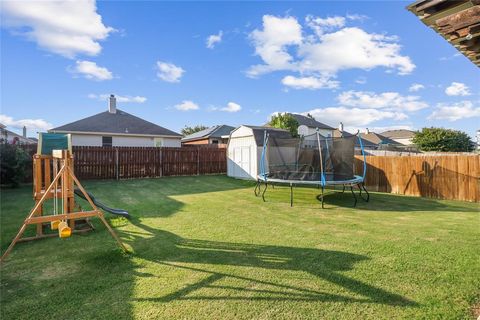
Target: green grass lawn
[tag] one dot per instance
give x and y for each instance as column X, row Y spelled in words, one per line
column 207, row 248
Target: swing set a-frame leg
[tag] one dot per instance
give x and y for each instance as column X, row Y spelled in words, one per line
column 95, row 212
column 32, row 212
column 100, row 214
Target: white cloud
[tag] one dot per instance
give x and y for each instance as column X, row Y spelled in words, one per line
column 416, row 87
column 455, row 111
column 270, row 43
column 232, row 107
column 35, row 124
column 385, row 100
column 169, row 72
column 187, row 105
column 350, row 48
column 353, row 117
column 309, row 82
column 214, row 39
column 91, row 70
column 320, row 25
column 284, row 46
column 67, row 28
column 457, row 89
column 122, row 99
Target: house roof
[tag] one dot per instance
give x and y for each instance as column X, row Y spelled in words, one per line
column 119, row 122
column 212, row 132
column 398, row 134
column 377, row 139
column 366, row 143
column 457, row 21
column 259, row 132
column 310, row 122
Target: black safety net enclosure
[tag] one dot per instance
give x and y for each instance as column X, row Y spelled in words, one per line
column 310, row 160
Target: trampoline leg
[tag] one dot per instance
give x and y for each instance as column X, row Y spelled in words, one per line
column 291, row 195
column 256, row 191
column 343, row 190
column 354, row 196
column 366, row 191
column 322, row 197
column 264, row 190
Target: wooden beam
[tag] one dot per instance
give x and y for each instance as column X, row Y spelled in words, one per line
column 67, row 216
column 430, row 20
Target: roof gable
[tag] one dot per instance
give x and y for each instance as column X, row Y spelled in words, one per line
column 120, row 122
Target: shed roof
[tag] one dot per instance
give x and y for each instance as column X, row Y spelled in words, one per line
column 120, row 122
column 259, row 132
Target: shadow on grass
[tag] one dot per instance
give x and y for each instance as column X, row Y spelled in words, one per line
column 324, row 264
column 334, row 198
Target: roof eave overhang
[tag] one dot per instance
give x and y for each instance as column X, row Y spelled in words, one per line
column 116, row 134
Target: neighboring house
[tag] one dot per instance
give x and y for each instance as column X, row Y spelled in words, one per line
column 379, row 140
column 216, row 135
column 401, row 136
column 308, row 125
column 116, row 128
column 14, row 138
column 367, row 145
column 245, row 147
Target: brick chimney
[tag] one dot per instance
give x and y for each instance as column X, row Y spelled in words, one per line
column 112, row 104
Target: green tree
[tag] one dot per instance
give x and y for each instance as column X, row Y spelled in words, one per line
column 285, row 121
column 13, row 164
column 445, row 140
column 189, row 130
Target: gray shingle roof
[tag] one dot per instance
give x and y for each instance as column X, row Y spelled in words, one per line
column 366, row 143
column 259, row 132
column 119, row 122
column 212, row 132
column 398, row 134
column 377, row 138
column 309, row 122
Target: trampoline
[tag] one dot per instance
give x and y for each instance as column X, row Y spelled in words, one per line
column 312, row 160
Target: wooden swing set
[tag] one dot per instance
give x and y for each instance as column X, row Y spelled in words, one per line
column 54, row 178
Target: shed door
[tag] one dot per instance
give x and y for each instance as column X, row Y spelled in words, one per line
column 241, row 157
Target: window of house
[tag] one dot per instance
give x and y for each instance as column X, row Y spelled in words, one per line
column 214, row 141
column 106, row 141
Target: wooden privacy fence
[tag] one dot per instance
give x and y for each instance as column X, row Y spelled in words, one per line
column 454, row 177
column 137, row 162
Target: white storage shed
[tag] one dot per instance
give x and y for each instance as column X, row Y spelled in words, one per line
column 244, row 150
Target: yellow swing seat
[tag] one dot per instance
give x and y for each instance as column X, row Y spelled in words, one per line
column 64, row 231
column 54, row 224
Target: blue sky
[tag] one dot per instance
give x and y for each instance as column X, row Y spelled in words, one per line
column 368, row 64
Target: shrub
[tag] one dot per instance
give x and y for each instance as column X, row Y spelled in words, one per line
column 445, row 140
column 14, row 163
column 285, row 121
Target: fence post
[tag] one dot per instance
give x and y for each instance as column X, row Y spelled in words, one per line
column 117, row 173
column 198, row 161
